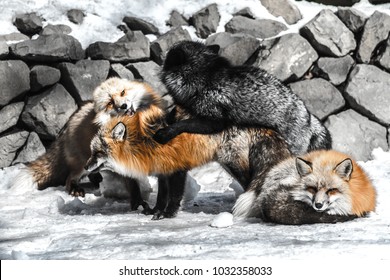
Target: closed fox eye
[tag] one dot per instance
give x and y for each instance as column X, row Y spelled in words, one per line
column 332, row 191
column 311, row 190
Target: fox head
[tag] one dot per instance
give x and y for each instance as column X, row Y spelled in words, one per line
column 189, row 61
column 103, row 146
column 125, row 145
column 116, row 97
column 325, row 187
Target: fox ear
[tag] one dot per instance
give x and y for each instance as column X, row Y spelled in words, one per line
column 175, row 57
column 304, row 167
column 119, row 132
column 214, row 48
column 344, row 169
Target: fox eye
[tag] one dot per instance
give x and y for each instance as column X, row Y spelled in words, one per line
column 312, row 190
column 109, row 103
column 332, row 191
column 98, row 154
column 122, row 92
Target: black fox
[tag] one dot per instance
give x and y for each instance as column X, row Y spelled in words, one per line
column 218, row 94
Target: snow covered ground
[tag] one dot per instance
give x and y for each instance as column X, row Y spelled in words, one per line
column 50, row 224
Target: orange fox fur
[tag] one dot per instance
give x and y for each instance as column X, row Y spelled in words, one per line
column 361, row 190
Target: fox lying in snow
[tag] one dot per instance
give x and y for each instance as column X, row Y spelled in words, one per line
column 300, row 190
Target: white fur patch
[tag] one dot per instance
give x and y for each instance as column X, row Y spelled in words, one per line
column 102, row 118
column 341, row 206
column 124, row 171
column 244, row 204
column 24, row 182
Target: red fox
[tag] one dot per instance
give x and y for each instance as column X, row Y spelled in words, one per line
column 64, row 162
column 310, row 189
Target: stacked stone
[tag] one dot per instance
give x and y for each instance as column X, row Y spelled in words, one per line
column 338, row 64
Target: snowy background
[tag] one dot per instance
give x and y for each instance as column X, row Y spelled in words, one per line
column 50, row 224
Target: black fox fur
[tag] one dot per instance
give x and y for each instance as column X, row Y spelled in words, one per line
column 219, row 94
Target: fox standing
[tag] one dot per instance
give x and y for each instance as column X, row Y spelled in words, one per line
column 64, row 162
column 218, row 94
column 310, row 189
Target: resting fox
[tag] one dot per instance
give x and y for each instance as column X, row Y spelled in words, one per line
column 64, row 162
column 302, row 190
column 126, row 146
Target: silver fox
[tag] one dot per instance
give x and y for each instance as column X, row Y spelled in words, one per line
column 219, row 94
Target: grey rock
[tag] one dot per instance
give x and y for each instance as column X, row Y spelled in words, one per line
column 82, row 78
column 376, row 30
column 284, row 8
column 32, row 149
column 145, row 27
column 14, row 37
column 352, row 18
column 367, row 92
column 49, row 48
column 336, row 2
column 289, row 58
column 384, row 58
column 14, row 80
column 48, row 112
column 76, row 16
column 176, row 19
column 328, row 34
column 56, row 29
column 29, row 23
column 4, row 49
column 9, row 115
column 237, row 48
column 334, row 69
column 159, row 47
column 206, row 20
column 42, row 76
column 148, row 72
column 259, row 28
column 320, row 97
column 355, row 134
column 133, row 47
column 246, row 12
column 121, row 71
column 9, row 145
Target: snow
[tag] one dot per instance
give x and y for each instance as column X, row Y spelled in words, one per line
column 223, row 219
column 50, row 224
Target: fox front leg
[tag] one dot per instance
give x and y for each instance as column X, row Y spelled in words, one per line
column 195, row 126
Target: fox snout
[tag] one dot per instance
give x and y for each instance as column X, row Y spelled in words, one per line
column 92, row 165
column 125, row 109
column 320, row 201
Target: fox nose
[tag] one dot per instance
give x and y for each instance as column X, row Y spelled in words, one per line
column 318, row 205
column 124, row 106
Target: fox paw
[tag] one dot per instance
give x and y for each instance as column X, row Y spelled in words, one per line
column 159, row 215
column 76, row 191
column 164, row 135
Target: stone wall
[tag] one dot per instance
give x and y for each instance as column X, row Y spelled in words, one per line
column 339, row 64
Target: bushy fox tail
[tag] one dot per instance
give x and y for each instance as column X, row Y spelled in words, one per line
column 50, row 169
column 244, row 204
